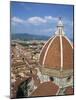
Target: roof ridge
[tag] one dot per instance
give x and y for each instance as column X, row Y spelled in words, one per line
column 48, row 49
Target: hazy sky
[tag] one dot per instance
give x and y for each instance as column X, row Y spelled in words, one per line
column 40, row 19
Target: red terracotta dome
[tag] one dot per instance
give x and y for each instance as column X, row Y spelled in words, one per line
column 57, row 53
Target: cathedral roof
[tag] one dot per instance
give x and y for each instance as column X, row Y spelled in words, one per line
column 46, row 89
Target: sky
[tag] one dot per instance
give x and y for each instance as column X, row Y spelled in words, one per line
column 40, row 19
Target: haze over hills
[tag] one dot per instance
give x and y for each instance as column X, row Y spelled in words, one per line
column 27, row 37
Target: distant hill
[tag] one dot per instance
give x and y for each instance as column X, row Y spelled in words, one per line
column 26, row 36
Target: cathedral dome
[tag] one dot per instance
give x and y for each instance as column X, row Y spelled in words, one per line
column 56, row 57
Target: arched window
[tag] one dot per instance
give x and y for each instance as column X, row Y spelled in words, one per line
column 51, row 79
column 69, row 78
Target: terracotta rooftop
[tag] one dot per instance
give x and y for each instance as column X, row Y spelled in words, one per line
column 69, row 90
column 46, row 89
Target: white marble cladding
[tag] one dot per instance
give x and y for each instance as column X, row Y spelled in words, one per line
column 30, row 87
column 63, row 82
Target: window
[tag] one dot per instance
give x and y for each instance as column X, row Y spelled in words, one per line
column 51, row 79
column 69, row 78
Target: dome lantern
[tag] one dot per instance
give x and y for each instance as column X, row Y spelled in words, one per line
column 60, row 27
